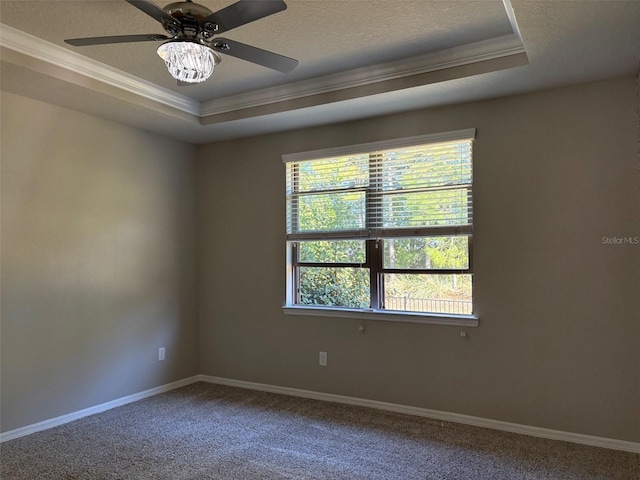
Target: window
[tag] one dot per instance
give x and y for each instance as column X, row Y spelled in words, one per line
column 382, row 227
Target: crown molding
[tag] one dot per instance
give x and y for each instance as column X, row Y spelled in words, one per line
column 34, row 47
column 499, row 47
column 508, row 8
column 463, row 55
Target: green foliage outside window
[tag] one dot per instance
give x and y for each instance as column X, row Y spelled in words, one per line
column 346, row 210
column 342, row 287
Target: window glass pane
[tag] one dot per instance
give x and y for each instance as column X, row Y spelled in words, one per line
column 428, row 293
column 335, row 211
column 426, row 252
column 430, row 208
column 334, row 251
column 336, row 287
column 333, row 173
column 403, row 190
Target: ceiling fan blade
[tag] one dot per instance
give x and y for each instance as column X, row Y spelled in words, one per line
column 154, row 11
column 83, row 42
column 254, row 55
column 243, row 12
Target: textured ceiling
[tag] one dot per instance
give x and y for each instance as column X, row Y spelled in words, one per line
column 326, row 36
column 565, row 42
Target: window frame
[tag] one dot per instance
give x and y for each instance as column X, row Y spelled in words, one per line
column 374, row 250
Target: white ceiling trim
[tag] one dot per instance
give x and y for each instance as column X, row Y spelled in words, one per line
column 508, row 8
column 37, row 48
column 499, row 47
column 32, row 46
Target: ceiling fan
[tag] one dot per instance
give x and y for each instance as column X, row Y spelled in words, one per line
column 192, row 48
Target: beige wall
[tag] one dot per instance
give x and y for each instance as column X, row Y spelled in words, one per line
column 557, row 345
column 98, row 268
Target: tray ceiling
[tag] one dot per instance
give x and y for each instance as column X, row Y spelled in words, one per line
column 357, row 58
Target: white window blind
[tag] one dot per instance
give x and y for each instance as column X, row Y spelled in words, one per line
column 407, row 189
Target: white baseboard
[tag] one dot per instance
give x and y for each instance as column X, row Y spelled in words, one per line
column 329, row 397
column 70, row 417
column 436, row 414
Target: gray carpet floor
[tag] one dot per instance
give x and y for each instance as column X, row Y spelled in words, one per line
column 206, row 431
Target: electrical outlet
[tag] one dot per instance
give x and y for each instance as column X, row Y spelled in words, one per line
column 323, row 359
column 161, row 354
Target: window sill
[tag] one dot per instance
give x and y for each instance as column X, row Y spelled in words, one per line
column 385, row 315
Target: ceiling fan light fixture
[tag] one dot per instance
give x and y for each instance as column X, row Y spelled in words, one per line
column 189, row 62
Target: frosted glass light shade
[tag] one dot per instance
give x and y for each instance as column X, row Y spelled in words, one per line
column 188, row 61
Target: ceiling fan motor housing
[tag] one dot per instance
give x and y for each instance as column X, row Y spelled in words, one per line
column 193, row 31
column 190, row 16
